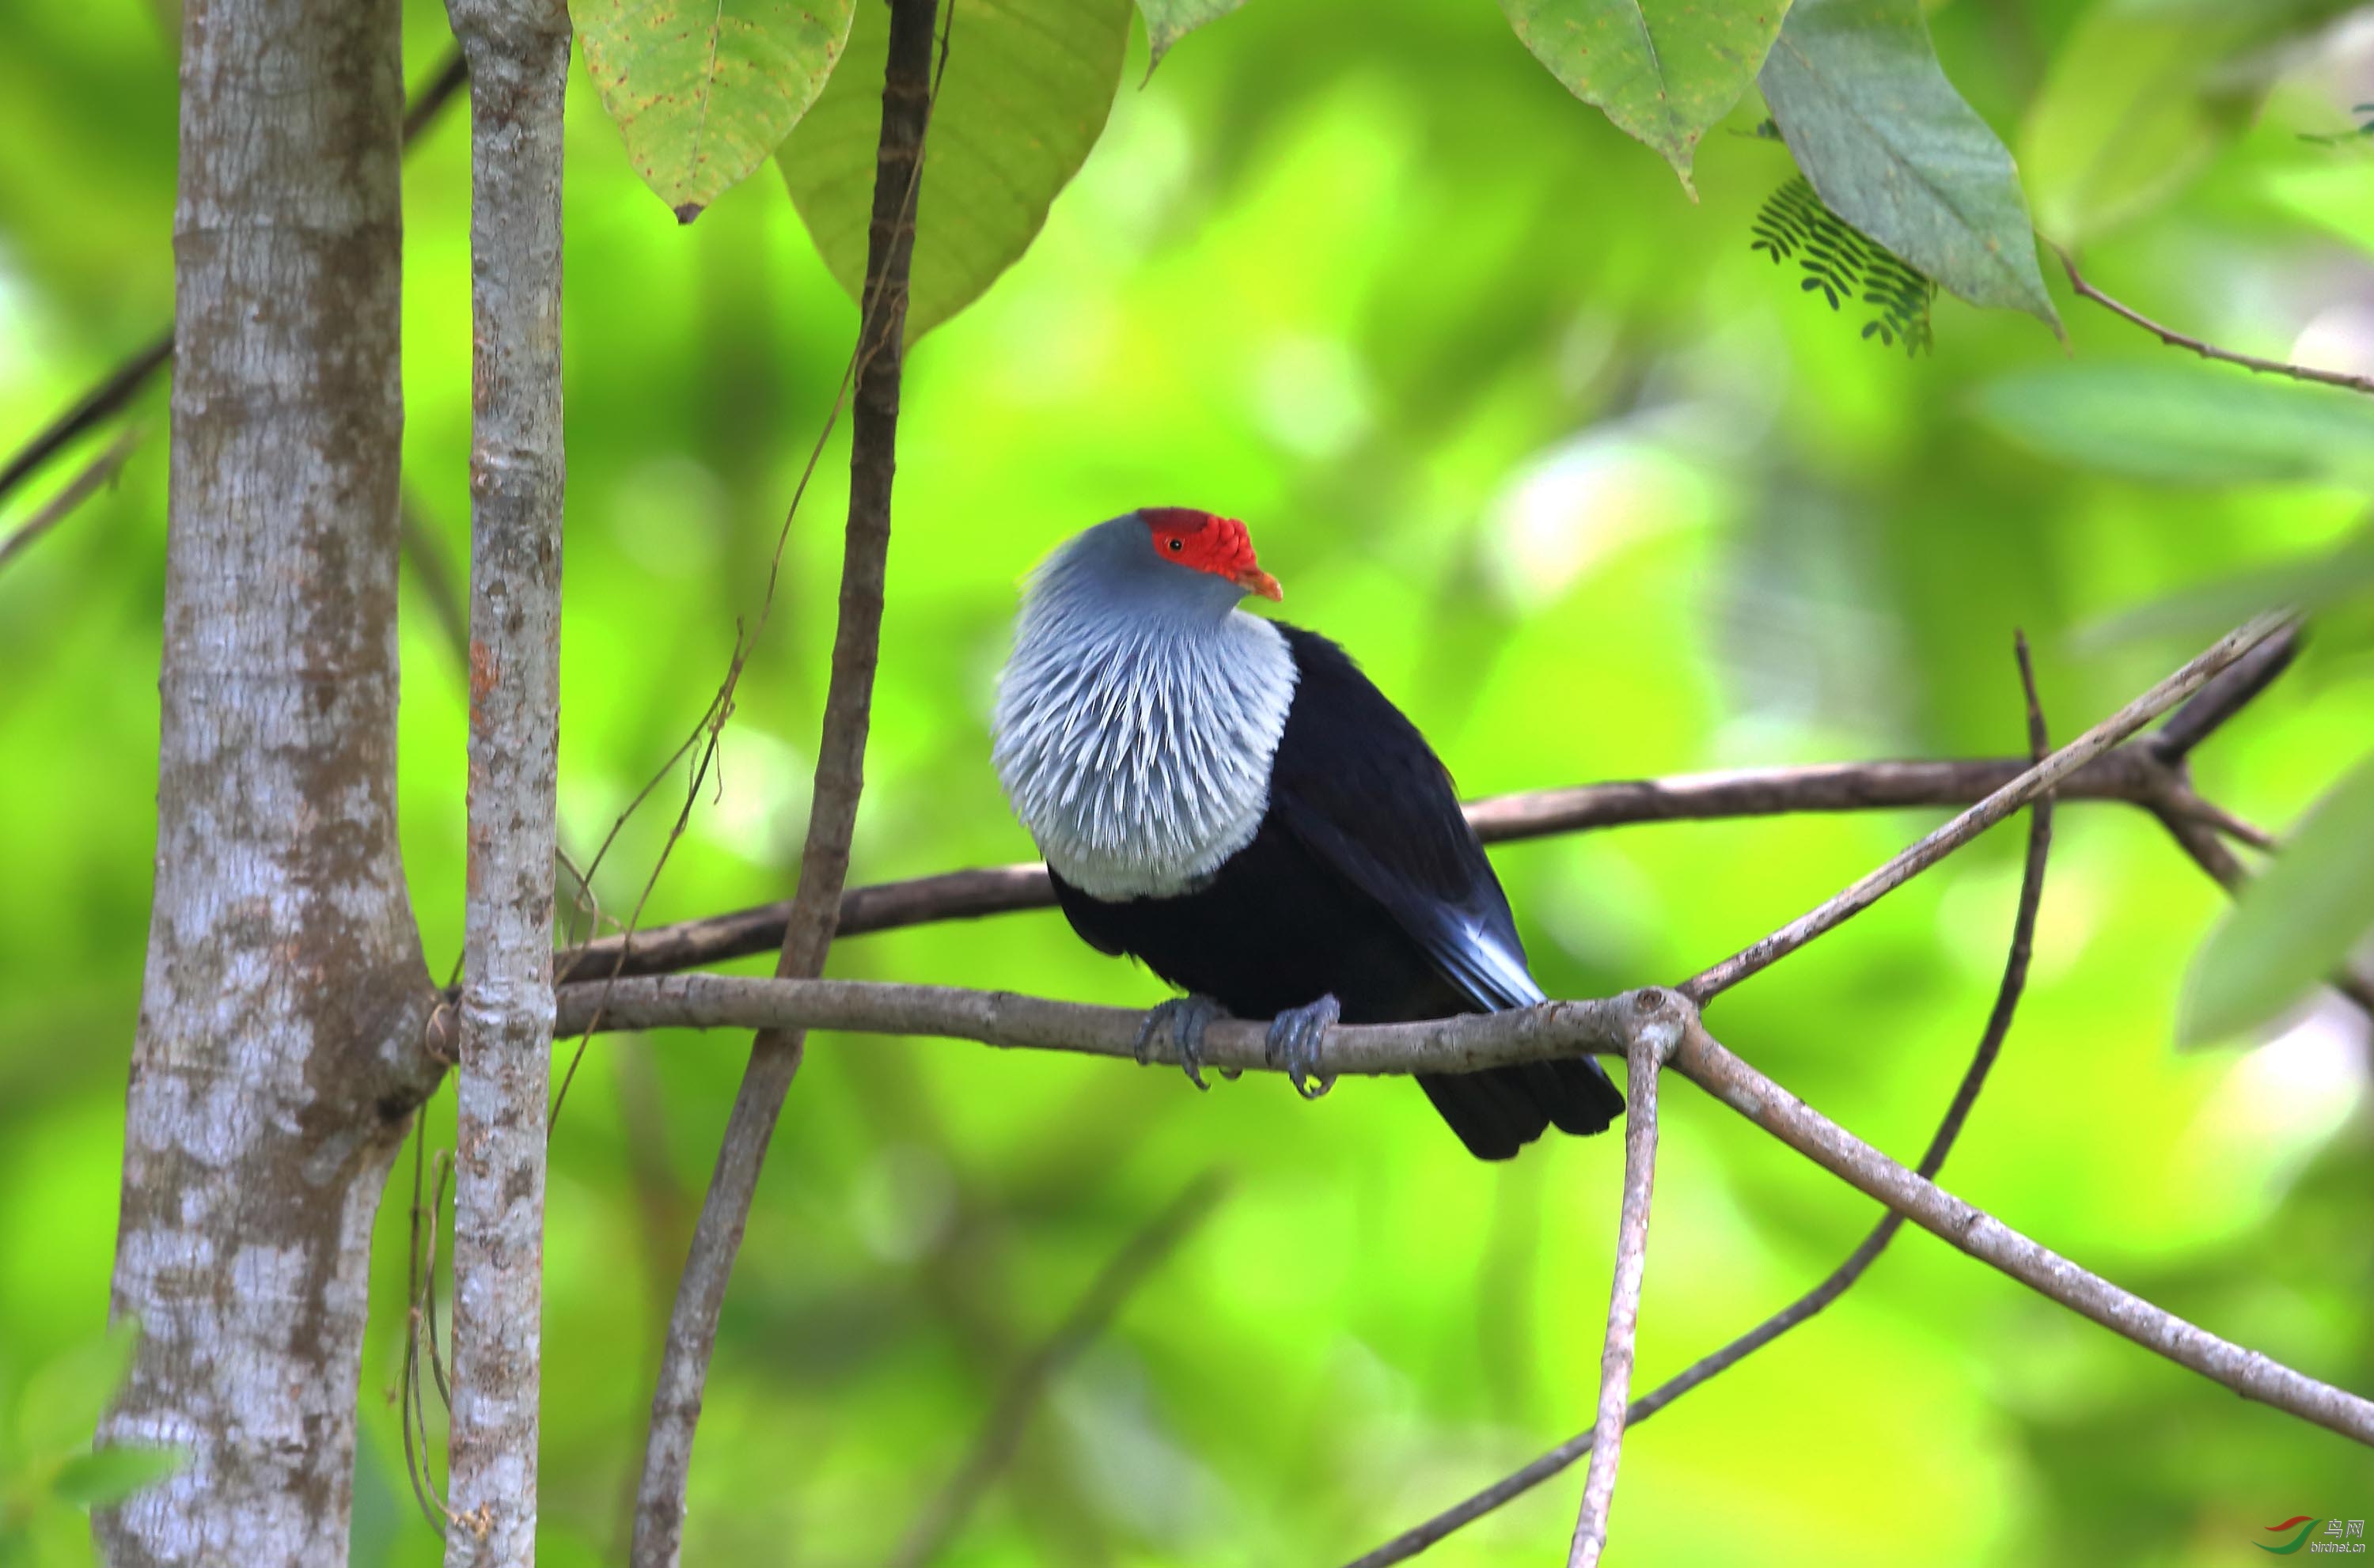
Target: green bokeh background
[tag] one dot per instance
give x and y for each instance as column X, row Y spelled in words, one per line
column 1594, row 492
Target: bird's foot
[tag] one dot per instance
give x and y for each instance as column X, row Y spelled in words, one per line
column 1186, row 1017
column 1293, row 1043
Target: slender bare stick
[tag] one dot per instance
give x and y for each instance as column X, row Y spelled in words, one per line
column 517, row 52
column 1412, row 1541
column 2174, row 339
column 1000, row 1432
column 839, row 781
column 1644, row 1062
column 96, row 476
column 1934, row 848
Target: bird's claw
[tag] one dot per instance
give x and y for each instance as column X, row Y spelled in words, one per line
column 1293, row 1043
column 1186, row 1017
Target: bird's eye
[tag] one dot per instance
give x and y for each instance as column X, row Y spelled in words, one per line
column 1177, row 545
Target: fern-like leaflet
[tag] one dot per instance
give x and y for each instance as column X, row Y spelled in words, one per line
column 1841, row 265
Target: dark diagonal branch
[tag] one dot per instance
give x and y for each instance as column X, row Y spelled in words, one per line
column 1410, row 1542
column 907, row 91
column 96, row 476
column 1934, row 848
column 93, row 409
column 1001, row 1431
column 1644, row 1062
column 2128, row 775
column 2228, row 692
column 115, row 392
column 2174, row 339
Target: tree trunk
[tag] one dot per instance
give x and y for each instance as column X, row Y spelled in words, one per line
column 278, row 1057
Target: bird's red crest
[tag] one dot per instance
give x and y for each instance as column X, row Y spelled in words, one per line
column 1208, row 544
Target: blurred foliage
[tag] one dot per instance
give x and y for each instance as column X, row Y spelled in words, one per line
column 1595, row 491
column 50, row 1475
column 2200, row 423
column 2294, row 924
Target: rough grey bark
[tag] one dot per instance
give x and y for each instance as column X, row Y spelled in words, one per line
column 518, row 54
column 277, row 1055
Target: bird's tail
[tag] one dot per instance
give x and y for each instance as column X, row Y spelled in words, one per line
column 1501, row 1110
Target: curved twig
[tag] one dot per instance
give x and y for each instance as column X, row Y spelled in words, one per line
column 2174, row 339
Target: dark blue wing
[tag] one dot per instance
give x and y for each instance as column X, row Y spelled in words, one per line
column 1357, row 785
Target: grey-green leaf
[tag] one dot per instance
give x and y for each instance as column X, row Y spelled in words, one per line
column 1168, row 21
column 1893, row 149
column 703, row 96
column 1027, row 87
column 2295, row 923
column 1663, row 70
column 2186, row 423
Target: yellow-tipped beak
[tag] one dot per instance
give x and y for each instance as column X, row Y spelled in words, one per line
column 1252, row 579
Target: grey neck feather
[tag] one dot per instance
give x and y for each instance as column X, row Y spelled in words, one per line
column 1138, row 716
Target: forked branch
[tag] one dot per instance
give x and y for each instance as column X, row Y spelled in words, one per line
column 1555, row 1029
column 1412, row 1541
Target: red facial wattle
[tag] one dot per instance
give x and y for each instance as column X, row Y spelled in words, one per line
column 1205, row 542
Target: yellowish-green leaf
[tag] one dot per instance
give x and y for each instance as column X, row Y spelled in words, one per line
column 2295, row 923
column 1028, row 87
column 1891, row 147
column 1168, row 21
column 702, row 94
column 1663, row 70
